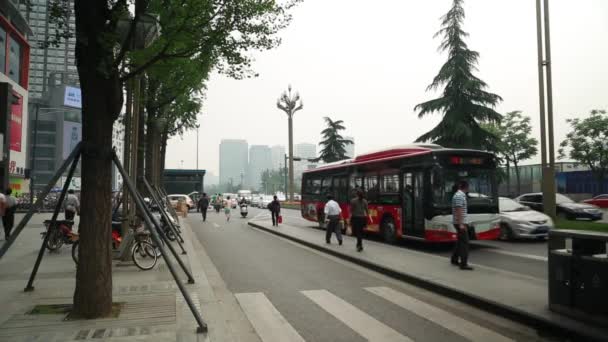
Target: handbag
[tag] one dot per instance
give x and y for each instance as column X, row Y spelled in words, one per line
column 349, row 229
column 280, row 219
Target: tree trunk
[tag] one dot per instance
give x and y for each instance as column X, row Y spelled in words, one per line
column 141, row 142
column 163, row 153
column 517, row 177
column 509, row 179
column 101, row 104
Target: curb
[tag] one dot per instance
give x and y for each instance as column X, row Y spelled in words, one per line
column 512, row 313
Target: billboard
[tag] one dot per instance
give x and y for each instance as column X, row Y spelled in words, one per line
column 16, row 126
column 72, row 134
column 72, row 97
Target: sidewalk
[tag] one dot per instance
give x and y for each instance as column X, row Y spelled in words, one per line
column 508, row 294
column 154, row 309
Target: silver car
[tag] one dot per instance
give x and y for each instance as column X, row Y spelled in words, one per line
column 519, row 221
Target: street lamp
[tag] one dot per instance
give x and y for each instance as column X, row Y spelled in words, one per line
column 548, row 182
column 290, row 104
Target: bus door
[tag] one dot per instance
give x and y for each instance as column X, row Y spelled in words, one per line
column 412, row 204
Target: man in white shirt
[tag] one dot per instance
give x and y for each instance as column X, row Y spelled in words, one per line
column 332, row 213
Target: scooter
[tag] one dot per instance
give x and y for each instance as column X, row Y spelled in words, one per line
column 244, row 210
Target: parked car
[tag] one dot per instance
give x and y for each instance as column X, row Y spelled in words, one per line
column 566, row 208
column 519, row 221
column 173, row 199
column 600, row 201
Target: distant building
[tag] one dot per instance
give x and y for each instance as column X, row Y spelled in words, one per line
column 278, row 156
column 531, row 178
column 183, row 181
column 350, row 148
column 260, row 160
column 233, row 161
column 304, row 151
column 55, row 59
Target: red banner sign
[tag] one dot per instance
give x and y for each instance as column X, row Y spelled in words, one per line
column 16, row 127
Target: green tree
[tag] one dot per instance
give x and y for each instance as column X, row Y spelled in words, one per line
column 272, row 181
column 334, row 145
column 515, row 143
column 218, row 32
column 587, row 143
column 465, row 104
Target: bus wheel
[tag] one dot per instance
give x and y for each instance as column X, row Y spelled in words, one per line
column 388, row 230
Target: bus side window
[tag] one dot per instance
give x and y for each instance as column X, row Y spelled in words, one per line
column 340, row 189
column 326, row 187
column 372, row 188
column 356, row 183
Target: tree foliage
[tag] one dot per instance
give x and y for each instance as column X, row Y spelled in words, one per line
column 587, row 143
column 272, row 181
column 465, row 104
column 515, row 142
column 334, row 145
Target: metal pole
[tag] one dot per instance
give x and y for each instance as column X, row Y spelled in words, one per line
column 549, row 207
column 39, row 201
column 53, row 223
column 541, row 101
column 291, row 156
column 202, row 327
column 163, row 213
column 197, row 147
column 32, row 168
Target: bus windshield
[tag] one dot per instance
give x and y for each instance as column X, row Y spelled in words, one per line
column 481, row 186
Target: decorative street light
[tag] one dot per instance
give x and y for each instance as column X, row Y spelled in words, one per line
column 290, row 104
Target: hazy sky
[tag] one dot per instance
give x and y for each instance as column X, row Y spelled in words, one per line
column 370, row 65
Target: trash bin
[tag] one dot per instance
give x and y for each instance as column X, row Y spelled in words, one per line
column 578, row 274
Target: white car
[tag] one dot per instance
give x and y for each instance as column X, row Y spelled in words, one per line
column 266, row 201
column 173, row 199
column 519, row 221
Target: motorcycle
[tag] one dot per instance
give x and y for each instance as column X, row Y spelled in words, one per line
column 244, row 210
column 59, row 234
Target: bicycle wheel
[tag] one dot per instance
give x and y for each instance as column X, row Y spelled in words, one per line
column 170, row 235
column 144, row 255
column 75, row 252
column 54, row 242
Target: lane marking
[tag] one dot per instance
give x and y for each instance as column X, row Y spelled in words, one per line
column 362, row 323
column 438, row 316
column 267, row 321
column 520, row 255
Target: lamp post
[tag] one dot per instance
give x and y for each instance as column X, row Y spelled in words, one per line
column 197, row 147
column 544, row 61
column 290, row 104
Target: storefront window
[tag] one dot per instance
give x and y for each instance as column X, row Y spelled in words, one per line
column 14, row 61
column 2, row 49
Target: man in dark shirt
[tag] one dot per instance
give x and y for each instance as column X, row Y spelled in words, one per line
column 359, row 216
column 203, row 205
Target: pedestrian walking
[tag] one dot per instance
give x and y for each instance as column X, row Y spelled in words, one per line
column 227, row 208
column 460, row 255
column 203, row 205
column 8, row 220
column 332, row 212
column 359, row 216
column 72, row 205
column 275, row 210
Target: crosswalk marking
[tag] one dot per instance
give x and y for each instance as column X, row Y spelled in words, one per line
column 438, row 316
column 362, row 323
column 267, row 321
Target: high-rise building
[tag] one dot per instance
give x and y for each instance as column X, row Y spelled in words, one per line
column 304, row 151
column 233, row 161
column 278, row 156
column 260, row 160
column 350, row 148
column 54, row 59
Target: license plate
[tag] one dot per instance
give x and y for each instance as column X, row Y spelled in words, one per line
column 542, row 229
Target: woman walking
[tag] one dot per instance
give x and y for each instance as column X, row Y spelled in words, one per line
column 359, row 215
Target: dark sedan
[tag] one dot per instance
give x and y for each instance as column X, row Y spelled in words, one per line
column 565, row 207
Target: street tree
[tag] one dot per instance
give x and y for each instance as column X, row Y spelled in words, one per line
column 587, row 143
column 515, row 143
column 272, row 181
column 334, row 145
column 465, row 104
column 220, row 32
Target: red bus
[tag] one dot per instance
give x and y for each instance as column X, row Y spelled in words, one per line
column 409, row 190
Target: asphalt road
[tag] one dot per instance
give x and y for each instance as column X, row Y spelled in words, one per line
column 291, row 293
column 526, row 257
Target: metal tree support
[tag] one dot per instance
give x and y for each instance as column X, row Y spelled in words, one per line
column 151, row 221
column 164, row 195
column 164, row 213
column 51, row 226
column 35, row 206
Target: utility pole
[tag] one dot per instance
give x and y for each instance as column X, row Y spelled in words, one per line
column 197, row 147
column 290, row 104
column 544, row 66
